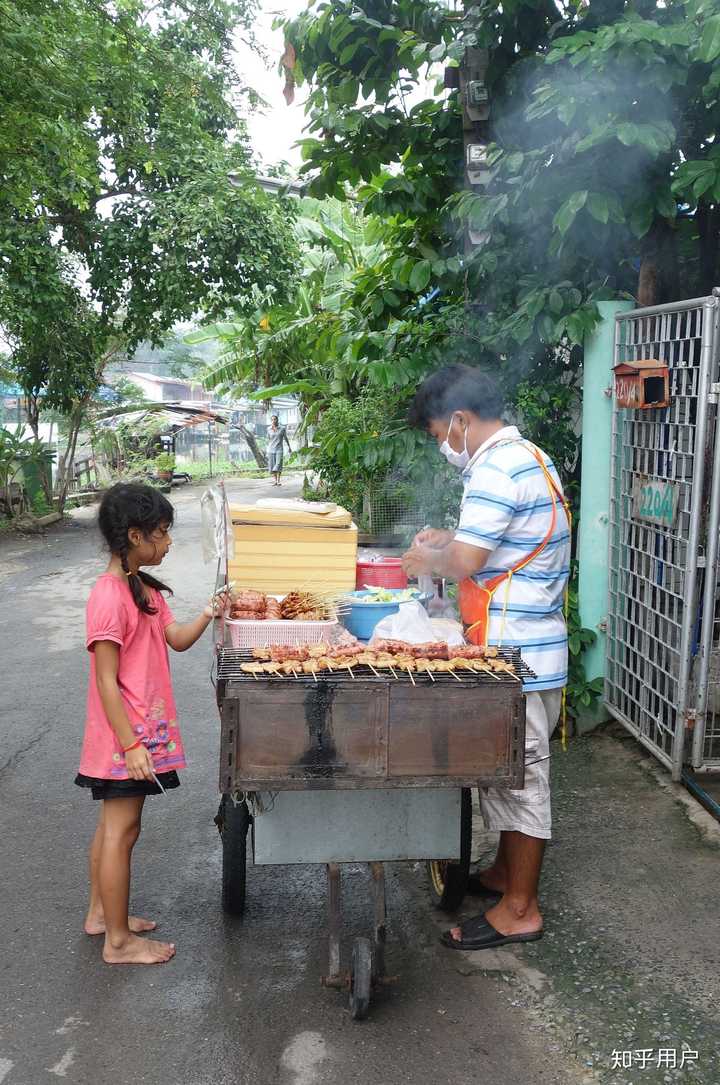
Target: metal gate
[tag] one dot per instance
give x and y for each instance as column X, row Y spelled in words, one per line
column 663, row 659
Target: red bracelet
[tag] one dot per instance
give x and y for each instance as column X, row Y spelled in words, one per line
column 136, row 743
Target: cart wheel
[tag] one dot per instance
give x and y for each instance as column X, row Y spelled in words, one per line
column 360, row 978
column 447, row 878
column 233, row 824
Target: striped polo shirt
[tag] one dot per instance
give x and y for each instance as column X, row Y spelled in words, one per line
column 507, row 509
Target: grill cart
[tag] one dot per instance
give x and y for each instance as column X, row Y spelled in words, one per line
column 359, row 766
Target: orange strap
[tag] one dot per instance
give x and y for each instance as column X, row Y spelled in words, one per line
column 474, row 599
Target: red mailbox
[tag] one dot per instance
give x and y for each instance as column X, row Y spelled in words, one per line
column 642, row 384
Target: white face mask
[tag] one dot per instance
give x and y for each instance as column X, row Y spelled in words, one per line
column 457, row 459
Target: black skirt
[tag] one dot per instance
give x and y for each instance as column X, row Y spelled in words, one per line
column 127, row 789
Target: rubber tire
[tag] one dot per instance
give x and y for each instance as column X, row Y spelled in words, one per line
column 361, row 970
column 454, row 876
column 235, row 822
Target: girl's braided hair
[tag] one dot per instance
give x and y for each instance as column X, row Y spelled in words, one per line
column 127, row 505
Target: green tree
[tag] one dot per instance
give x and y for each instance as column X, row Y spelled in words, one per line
column 327, row 345
column 118, row 128
column 604, row 175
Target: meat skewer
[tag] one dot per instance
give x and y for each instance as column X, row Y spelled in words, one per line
column 423, row 666
column 386, row 655
column 479, row 667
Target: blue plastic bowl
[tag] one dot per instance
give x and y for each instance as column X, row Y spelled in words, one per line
column 361, row 618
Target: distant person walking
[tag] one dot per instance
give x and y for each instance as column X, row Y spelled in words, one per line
column 277, row 438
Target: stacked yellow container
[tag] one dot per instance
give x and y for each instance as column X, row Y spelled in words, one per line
column 283, row 545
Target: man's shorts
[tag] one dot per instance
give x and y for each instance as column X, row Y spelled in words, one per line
column 528, row 811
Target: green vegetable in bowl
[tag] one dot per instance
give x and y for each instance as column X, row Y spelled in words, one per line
column 384, row 595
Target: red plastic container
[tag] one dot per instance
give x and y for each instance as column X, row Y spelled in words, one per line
column 383, row 573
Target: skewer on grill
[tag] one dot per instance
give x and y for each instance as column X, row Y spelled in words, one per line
column 423, row 666
column 482, row 669
column 503, row 667
column 388, row 656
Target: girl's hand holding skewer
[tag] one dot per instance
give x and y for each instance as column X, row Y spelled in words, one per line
column 139, row 764
column 217, row 603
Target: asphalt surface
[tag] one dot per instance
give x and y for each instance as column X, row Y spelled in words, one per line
column 241, row 1003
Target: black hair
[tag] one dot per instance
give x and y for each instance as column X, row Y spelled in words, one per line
column 127, row 505
column 455, row 388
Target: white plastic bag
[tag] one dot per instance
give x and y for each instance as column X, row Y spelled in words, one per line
column 216, row 532
column 447, row 629
column 411, row 624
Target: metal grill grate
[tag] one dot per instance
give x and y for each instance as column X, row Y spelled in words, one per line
column 653, row 569
column 230, row 661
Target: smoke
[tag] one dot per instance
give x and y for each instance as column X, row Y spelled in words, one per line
column 602, row 122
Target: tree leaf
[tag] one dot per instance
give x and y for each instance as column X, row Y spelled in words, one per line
column 709, row 48
column 420, row 276
column 597, row 205
column 349, row 51
column 641, row 218
column 555, row 301
column 627, row 134
column 566, row 215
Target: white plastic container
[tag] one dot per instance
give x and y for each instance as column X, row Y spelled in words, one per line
column 249, row 634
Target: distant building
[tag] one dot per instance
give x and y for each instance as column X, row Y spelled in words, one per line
column 169, row 389
column 194, row 443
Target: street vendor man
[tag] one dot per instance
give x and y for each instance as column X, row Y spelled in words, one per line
column 510, row 555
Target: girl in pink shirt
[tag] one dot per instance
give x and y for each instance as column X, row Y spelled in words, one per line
column 132, row 744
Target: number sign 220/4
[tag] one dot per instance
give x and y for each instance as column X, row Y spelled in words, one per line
column 655, row 501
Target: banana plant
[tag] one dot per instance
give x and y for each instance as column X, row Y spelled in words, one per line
column 301, row 347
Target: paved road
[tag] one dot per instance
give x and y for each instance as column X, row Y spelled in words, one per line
column 241, row 1003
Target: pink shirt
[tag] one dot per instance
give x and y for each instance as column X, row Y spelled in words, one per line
column 143, row 679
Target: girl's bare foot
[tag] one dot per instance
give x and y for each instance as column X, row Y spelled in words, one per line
column 96, row 925
column 138, row 951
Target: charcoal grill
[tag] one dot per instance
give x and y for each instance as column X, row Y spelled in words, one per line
column 361, row 728
column 359, row 765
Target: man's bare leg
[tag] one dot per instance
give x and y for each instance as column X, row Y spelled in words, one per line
column 121, row 823
column 517, row 912
column 496, row 875
column 95, row 919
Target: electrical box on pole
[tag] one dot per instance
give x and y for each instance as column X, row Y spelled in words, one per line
column 476, row 107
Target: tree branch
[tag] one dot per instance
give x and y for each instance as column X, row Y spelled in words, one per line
column 129, row 190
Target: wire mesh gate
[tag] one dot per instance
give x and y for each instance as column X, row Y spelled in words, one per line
column 663, row 660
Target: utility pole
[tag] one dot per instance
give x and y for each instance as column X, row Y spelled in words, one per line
column 471, row 82
column 475, row 105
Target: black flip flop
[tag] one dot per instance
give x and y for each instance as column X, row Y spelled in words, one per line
column 476, row 888
column 478, row 933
